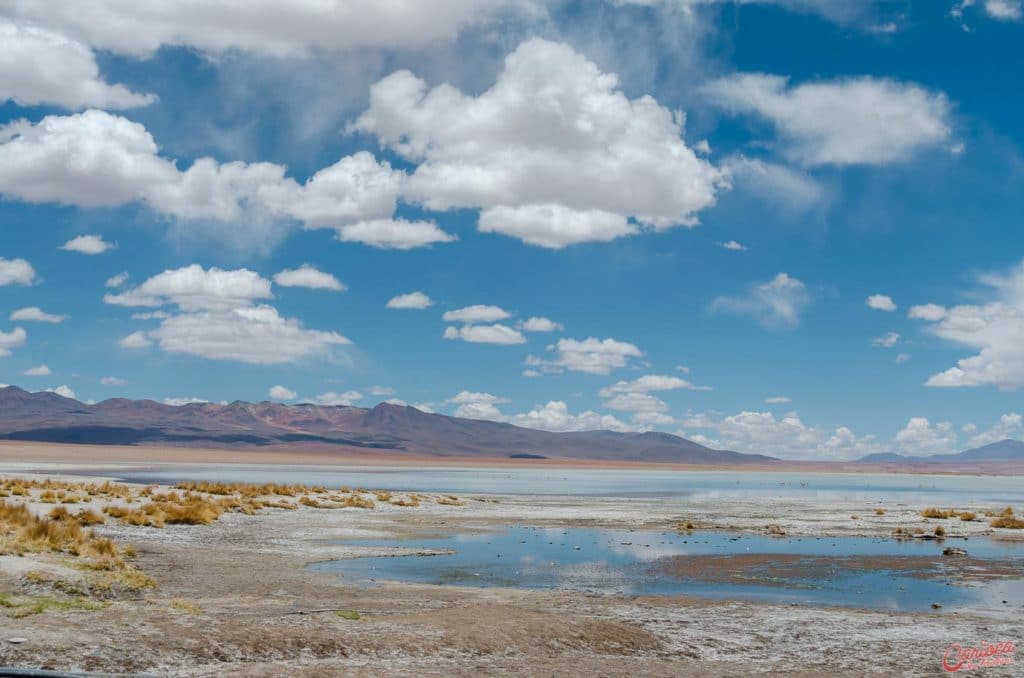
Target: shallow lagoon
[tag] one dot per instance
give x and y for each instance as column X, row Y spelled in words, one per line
column 627, row 562
column 907, row 488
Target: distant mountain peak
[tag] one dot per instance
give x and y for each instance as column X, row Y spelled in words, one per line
column 343, row 429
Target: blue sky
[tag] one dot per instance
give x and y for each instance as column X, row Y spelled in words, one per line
column 641, row 214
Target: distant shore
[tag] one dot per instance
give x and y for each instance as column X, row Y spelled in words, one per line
column 89, row 455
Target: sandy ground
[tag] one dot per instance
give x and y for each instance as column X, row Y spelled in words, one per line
column 235, row 598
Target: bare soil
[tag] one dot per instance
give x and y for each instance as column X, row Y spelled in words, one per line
column 235, row 599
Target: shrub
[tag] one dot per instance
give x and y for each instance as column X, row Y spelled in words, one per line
column 1008, row 522
column 358, row 501
column 968, row 516
column 937, row 513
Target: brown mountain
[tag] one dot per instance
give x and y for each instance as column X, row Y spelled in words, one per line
column 383, row 429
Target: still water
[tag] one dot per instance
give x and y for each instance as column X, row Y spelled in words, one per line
column 877, row 573
column 908, row 488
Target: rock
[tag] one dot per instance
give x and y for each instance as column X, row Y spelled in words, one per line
column 936, row 606
column 775, row 530
column 954, row 551
column 17, row 640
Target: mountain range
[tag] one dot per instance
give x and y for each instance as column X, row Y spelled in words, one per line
column 384, row 429
column 1000, row 451
column 391, row 429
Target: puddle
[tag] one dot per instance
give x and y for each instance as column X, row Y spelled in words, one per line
column 866, row 572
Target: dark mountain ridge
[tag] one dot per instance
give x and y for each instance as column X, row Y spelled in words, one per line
column 386, row 428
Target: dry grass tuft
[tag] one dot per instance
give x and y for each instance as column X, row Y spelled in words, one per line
column 22, row 532
column 968, row 516
column 358, row 501
column 937, row 513
column 879, row 511
column 450, row 500
column 188, row 607
column 940, row 531
column 1008, row 522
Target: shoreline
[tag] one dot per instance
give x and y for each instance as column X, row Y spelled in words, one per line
column 88, row 455
column 238, row 597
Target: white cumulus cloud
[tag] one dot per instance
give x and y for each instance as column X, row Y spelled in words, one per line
column 36, row 314
column 97, row 159
column 292, row 28
column 539, row 324
column 921, row 437
column 993, row 328
column 308, row 276
column 478, row 313
column 279, row 392
column 16, row 271
column 218, row 318
column 852, row 121
column 880, row 302
column 1009, row 426
column 64, row 391
column 87, row 244
column 553, row 153
column 38, row 66
column 649, row 383
column 485, row 334
column 11, row 340
column 412, row 300
column 590, row 355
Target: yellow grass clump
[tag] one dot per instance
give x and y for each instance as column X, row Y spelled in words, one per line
column 450, row 500
column 21, row 532
column 879, row 511
column 358, row 501
column 1008, row 522
column 186, row 606
column 251, row 490
column 968, row 516
column 937, row 513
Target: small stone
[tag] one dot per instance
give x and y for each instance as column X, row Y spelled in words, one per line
column 18, row 640
column 954, row 551
column 936, row 606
